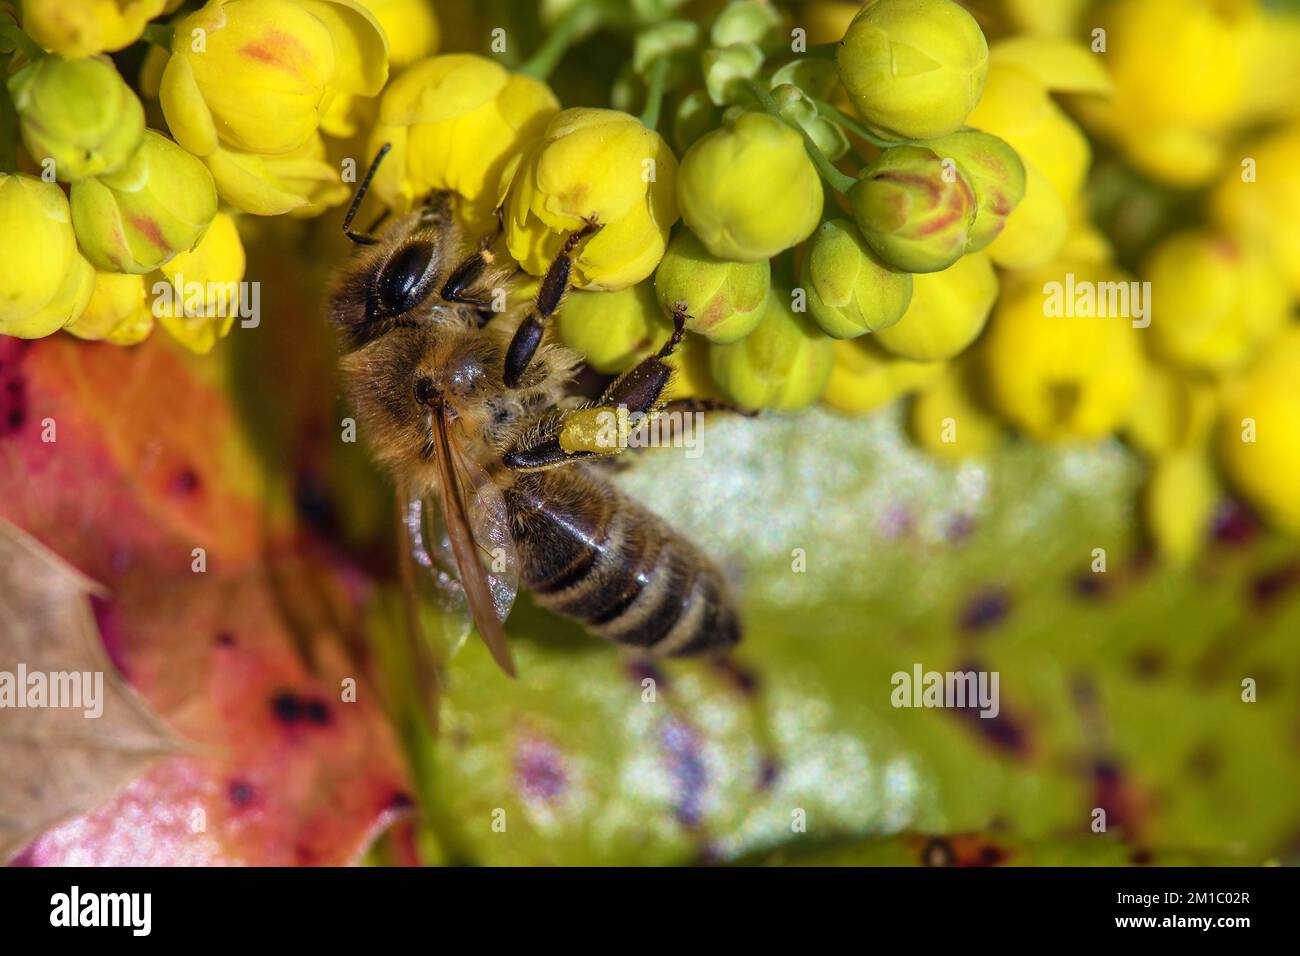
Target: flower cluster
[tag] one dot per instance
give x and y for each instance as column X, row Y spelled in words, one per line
column 852, row 203
column 136, row 225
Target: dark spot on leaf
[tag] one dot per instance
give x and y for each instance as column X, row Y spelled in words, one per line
column 984, row 611
column 225, row 639
column 991, row 855
column 240, row 792
column 768, row 771
column 13, row 396
column 314, row 505
column 1233, row 526
column 686, row 765
column 744, row 679
column 1148, row 664
column 959, row 527
column 540, row 769
column 316, row 711
column 1142, row 857
column 287, row 707
column 641, row 671
column 1204, row 762
column 400, row 801
column 1268, row 587
column 185, row 482
column 1091, row 585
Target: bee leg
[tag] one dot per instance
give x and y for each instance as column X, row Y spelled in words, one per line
column 554, row 284
column 638, row 390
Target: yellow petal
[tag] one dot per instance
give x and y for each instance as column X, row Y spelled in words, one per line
column 188, row 116
column 1060, row 65
column 360, row 45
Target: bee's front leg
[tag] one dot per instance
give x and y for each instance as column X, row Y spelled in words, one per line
column 554, row 284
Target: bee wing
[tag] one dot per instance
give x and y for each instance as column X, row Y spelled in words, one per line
column 470, row 552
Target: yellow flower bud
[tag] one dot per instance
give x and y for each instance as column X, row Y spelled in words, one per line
column 850, row 292
column 915, row 208
column 117, row 311
column 1017, row 107
column 948, row 310
column 413, row 32
column 1179, row 502
column 865, row 377
column 79, row 113
column 1179, row 69
column 255, row 75
column 947, row 420
column 79, row 28
column 199, row 301
column 1215, row 300
column 1261, row 199
column 613, row 330
column 135, row 219
column 724, row 189
column 691, row 376
column 913, row 68
column 592, row 165
column 1259, row 434
column 454, row 121
column 724, row 300
column 301, row 183
column 44, row 281
column 1061, row 378
column 995, row 172
column 1172, row 413
column 785, row 363
column 1036, row 231
column 411, row 27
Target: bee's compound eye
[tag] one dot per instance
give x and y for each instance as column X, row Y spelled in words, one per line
column 403, row 282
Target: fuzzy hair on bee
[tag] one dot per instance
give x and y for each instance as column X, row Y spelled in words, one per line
column 464, row 405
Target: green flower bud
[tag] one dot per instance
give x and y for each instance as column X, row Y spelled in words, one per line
column 613, row 330
column 725, row 68
column 996, row 173
column 913, row 68
column 724, row 300
column 724, row 189
column 79, row 113
column 696, row 115
column 746, row 21
column 812, row 74
column 784, row 363
column 948, row 310
column 796, row 107
column 135, row 219
column 914, row 208
column 850, row 292
column 678, row 39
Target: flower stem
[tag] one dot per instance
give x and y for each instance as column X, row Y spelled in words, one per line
column 852, row 125
column 13, row 33
column 838, row 181
column 582, row 16
column 159, row 34
column 655, row 94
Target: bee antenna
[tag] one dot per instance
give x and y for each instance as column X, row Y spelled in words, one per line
column 362, row 239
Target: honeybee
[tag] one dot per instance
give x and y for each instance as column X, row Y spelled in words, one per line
column 464, row 405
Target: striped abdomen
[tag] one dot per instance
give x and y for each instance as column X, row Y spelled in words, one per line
column 590, row 553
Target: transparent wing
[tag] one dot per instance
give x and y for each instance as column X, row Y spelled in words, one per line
column 478, row 536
